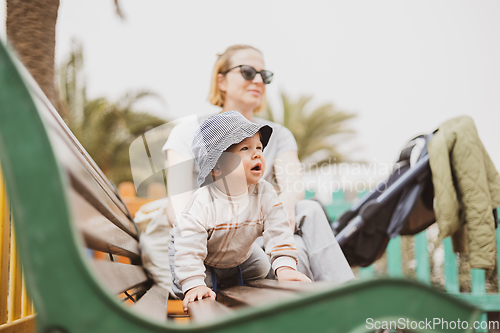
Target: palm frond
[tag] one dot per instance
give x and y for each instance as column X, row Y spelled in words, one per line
column 106, row 129
column 118, row 9
column 316, row 130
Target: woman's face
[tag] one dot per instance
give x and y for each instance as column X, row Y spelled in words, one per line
column 242, row 94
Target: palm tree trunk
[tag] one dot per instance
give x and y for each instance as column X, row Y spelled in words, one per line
column 31, row 30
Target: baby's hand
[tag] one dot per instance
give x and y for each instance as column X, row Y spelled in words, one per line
column 290, row 274
column 196, row 293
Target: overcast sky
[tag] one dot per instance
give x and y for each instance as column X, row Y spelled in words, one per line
column 402, row 67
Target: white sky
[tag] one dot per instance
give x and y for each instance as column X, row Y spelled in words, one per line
column 403, row 67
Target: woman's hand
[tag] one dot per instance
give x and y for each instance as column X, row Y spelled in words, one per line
column 290, row 274
column 196, row 293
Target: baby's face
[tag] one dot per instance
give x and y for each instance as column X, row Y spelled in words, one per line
column 252, row 158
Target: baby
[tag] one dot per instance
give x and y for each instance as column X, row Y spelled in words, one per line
column 215, row 234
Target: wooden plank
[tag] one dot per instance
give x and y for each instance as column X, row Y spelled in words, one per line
column 24, row 325
column 296, row 286
column 4, row 252
column 153, row 304
column 92, row 196
column 450, row 267
column 394, row 260
column 174, row 307
column 15, row 290
column 100, row 244
column 82, row 178
column 31, row 309
column 483, row 322
column 498, row 247
column 118, row 277
column 422, row 256
column 478, row 285
column 478, row 288
column 69, row 159
column 98, row 232
column 367, row 272
column 207, row 309
column 243, row 295
column 57, row 125
column 26, row 299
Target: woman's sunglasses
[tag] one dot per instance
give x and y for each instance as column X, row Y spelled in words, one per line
column 248, row 73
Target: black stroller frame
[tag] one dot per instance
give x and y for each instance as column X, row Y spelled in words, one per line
column 400, row 191
column 370, row 205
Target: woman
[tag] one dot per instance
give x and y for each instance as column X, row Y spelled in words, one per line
column 238, row 83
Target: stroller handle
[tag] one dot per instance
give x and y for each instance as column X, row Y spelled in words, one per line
column 373, row 206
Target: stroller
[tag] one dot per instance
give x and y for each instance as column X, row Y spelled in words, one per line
column 401, row 205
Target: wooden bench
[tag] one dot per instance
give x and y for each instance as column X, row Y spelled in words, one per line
column 64, row 207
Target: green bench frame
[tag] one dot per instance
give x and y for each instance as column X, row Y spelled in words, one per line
column 69, row 298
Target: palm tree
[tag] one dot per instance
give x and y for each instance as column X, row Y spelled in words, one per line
column 104, row 128
column 317, row 131
column 31, row 30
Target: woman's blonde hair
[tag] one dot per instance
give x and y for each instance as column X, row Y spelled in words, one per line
column 222, row 64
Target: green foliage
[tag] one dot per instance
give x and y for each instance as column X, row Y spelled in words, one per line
column 317, row 132
column 105, row 129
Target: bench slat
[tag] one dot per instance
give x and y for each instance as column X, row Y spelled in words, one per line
column 422, row 256
column 207, row 309
column 153, row 303
column 77, row 171
column 99, row 233
column 497, row 231
column 243, row 295
column 118, row 277
column 81, row 167
column 450, row 267
column 79, row 175
column 296, row 286
column 90, row 195
column 367, row 272
column 96, row 243
column 56, row 124
column 478, row 285
column 394, row 260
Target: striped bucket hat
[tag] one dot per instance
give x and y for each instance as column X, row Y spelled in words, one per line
column 217, row 134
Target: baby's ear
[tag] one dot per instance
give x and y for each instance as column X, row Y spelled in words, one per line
column 216, row 171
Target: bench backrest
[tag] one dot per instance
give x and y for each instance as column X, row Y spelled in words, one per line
column 47, row 167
